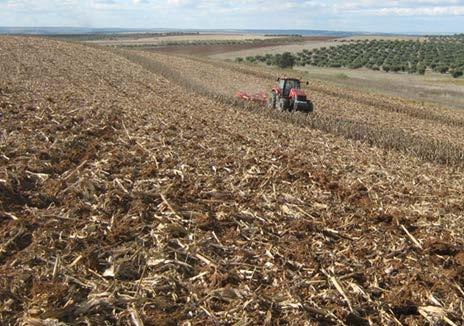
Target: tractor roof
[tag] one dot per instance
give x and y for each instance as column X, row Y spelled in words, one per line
column 288, row 78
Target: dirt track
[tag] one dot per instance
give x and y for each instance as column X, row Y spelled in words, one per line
column 125, row 197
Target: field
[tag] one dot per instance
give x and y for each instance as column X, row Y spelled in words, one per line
column 118, row 36
column 195, row 39
column 134, row 189
column 310, row 43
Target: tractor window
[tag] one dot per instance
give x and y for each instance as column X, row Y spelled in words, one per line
column 281, row 83
column 293, row 84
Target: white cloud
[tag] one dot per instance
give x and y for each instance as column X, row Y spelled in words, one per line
column 429, row 11
column 265, row 14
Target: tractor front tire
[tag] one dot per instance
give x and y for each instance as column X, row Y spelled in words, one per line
column 311, row 107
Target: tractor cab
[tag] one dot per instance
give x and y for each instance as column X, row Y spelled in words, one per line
column 287, row 84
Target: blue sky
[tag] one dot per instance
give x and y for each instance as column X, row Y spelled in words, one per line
column 425, row 16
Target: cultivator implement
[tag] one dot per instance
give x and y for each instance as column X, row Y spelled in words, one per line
column 259, row 98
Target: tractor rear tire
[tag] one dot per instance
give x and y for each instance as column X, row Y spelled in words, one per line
column 272, row 101
column 292, row 106
column 286, row 105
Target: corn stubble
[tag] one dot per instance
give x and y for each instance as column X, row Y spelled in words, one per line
column 133, row 191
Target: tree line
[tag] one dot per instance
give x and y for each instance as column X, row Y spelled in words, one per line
column 440, row 54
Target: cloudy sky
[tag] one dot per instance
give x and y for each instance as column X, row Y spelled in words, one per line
column 425, row 16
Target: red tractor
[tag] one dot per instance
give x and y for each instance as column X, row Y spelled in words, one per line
column 287, row 95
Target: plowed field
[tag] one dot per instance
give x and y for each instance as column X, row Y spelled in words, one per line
column 134, row 190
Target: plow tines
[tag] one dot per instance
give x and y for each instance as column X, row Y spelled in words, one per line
column 260, row 98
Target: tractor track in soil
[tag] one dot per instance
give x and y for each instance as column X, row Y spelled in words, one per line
column 192, row 207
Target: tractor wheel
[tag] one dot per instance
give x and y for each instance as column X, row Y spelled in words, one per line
column 292, row 106
column 272, row 101
column 306, row 107
column 281, row 105
column 311, row 106
column 284, row 104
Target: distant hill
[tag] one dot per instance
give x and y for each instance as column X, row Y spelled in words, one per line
column 85, row 30
column 69, row 30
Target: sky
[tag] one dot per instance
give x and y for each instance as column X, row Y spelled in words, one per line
column 389, row 16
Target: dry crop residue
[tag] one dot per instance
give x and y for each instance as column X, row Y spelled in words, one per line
column 125, row 198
